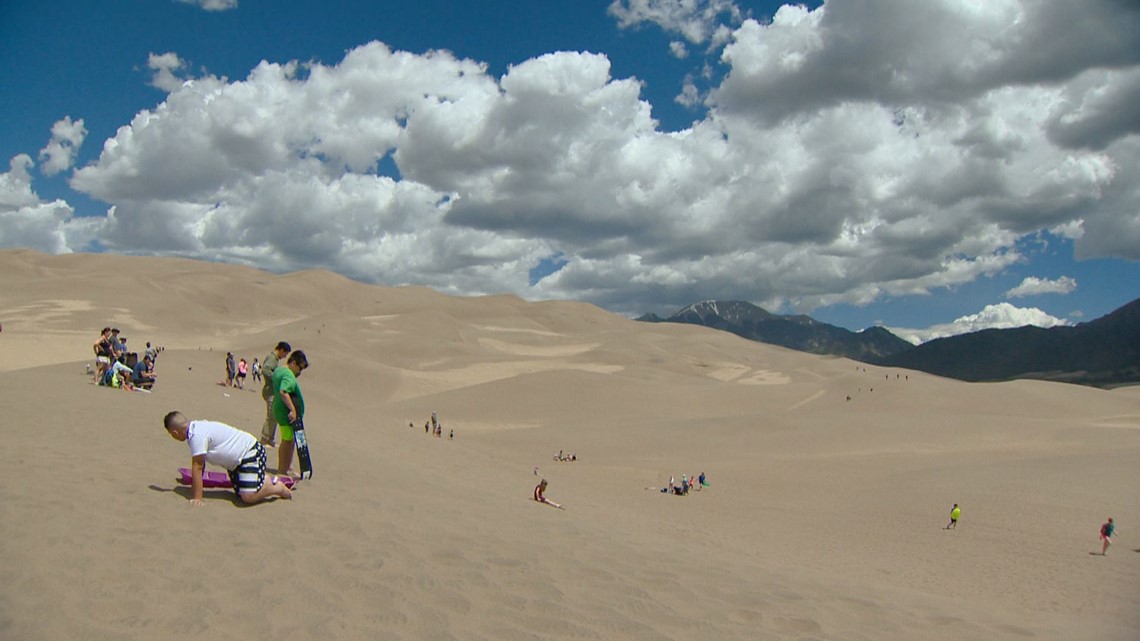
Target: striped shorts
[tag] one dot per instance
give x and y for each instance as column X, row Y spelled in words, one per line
column 249, row 475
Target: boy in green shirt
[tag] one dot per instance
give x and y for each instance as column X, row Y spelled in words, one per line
column 288, row 406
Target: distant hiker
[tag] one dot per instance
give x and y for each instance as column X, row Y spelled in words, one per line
column 1106, row 532
column 451, row 435
column 231, row 369
column 955, row 512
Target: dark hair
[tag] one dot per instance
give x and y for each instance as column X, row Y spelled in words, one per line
column 106, row 329
column 171, row 418
column 115, row 330
column 299, row 358
column 283, row 346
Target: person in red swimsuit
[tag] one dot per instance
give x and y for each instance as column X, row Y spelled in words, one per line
column 538, row 495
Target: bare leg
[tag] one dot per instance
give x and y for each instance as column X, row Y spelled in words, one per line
column 273, row 487
column 284, row 457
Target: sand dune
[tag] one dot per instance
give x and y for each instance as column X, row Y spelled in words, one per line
column 823, row 521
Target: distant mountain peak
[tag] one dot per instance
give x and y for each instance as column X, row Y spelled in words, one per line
column 796, row 332
column 1103, row 352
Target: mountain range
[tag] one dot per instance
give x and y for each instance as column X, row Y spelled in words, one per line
column 799, row 332
column 1104, row 352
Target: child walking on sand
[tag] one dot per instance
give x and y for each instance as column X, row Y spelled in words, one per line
column 955, row 512
column 1106, row 532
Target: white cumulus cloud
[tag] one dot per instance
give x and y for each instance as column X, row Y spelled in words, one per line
column 27, row 221
column 1033, row 286
column 841, row 160
column 697, row 20
column 213, row 5
column 166, row 67
column 66, row 138
column 999, row 316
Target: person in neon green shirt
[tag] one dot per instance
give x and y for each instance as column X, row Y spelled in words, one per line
column 288, row 406
column 955, row 512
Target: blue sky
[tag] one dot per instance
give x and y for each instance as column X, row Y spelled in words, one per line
column 933, row 167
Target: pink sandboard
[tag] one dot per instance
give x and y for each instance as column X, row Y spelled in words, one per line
column 212, row 478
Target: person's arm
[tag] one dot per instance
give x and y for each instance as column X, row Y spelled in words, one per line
column 288, row 400
column 197, row 466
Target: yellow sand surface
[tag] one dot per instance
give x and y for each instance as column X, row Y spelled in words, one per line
column 823, row 519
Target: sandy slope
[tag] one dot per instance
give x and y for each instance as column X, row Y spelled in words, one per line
column 824, row 520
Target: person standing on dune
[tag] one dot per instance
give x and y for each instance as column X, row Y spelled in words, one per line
column 288, row 406
column 269, row 429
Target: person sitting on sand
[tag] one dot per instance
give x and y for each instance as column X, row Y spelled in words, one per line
column 143, row 372
column 539, row 495
column 124, row 375
column 955, row 512
column 237, row 451
column 1106, row 532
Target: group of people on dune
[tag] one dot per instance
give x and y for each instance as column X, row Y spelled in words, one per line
column 118, row 367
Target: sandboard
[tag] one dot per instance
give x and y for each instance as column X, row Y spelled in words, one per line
column 302, row 444
column 213, row 478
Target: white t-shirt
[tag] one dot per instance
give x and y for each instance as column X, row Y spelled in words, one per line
column 223, row 445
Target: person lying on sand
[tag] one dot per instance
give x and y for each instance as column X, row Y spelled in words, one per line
column 539, row 495
column 237, row 451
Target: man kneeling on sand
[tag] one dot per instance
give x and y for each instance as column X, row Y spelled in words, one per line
column 237, row 451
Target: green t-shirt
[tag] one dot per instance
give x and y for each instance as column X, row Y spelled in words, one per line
column 285, row 381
